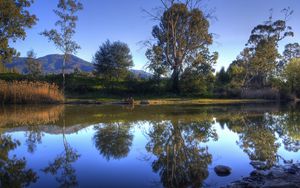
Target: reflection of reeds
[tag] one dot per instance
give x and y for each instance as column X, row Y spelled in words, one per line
column 24, row 115
column 21, row 92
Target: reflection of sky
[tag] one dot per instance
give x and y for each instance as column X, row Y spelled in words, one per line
column 288, row 155
column 134, row 170
column 226, row 152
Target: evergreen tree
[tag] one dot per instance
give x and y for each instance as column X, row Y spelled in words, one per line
column 33, row 66
column 113, row 60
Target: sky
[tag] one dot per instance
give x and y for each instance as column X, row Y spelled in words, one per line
column 124, row 20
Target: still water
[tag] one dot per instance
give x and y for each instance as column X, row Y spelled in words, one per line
column 143, row 146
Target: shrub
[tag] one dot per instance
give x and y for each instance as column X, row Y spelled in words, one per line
column 26, row 92
column 193, row 83
column 266, row 93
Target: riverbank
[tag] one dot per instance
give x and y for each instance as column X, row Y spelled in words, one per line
column 29, row 92
column 287, row 176
column 167, row 101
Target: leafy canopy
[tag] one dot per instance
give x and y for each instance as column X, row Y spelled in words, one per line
column 33, row 66
column 14, row 20
column 292, row 76
column 261, row 59
column 113, row 60
column 62, row 37
column 182, row 40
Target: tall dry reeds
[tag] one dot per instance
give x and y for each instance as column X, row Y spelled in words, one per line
column 25, row 92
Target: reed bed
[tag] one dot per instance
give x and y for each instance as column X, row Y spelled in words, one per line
column 26, row 92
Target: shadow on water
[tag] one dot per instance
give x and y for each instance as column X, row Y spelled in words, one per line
column 177, row 137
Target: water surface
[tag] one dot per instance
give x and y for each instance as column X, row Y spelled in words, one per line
column 143, row 146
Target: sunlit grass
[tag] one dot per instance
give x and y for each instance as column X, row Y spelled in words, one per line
column 200, row 101
column 170, row 101
column 25, row 92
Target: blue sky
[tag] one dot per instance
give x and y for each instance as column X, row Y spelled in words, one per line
column 124, row 20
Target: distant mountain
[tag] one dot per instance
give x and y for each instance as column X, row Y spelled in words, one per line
column 52, row 64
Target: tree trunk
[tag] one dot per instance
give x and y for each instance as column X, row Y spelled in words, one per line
column 175, row 79
column 63, row 73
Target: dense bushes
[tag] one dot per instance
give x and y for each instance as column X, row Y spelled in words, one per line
column 25, row 92
column 221, row 85
column 266, row 93
column 292, row 76
column 194, row 84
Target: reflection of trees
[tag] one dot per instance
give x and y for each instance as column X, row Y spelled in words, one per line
column 113, row 140
column 288, row 128
column 260, row 145
column 30, row 119
column 62, row 165
column 181, row 161
column 258, row 134
column 257, row 138
column 13, row 172
column 33, row 137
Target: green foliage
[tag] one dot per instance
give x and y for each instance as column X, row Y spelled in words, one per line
column 222, row 77
column 156, row 64
column 221, row 83
column 81, row 84
column 14, row 19
column 291, row 51
column 3, row 69
column 113, row 60
column 182, row 41
column 62, row 38
column 34, row 67
column 236, row 72
column 259, row 61
column 193, row 82
column 13, row 77
column 292, row 76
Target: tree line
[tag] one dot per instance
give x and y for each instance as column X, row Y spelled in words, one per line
column 179, row 55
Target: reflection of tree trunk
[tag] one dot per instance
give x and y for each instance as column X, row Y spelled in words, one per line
column 64, row 136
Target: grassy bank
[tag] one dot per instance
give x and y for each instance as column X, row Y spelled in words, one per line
column 26, row 92
column 167, row 101
column 84, row 89
column 203, row 101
